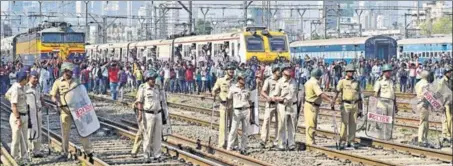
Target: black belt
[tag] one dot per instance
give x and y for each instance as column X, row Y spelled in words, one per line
column 223, row 102
column 152, row 112
column 282, row 102
column 350, row 102
column 242, row 108
column 312, row 103
column 61, row 106
column 22, row 114
column 272, row 102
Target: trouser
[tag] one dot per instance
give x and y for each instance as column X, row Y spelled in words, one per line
column 152, row 135
column 225, row 117
column 403, row 85
column 387, row 108
column 348, row 122
column 287, row 121
column 424, row 123
column 239, row 117
column 104, row 85
column 446, row 123
column 311, row 122
column 167, row 84
column 18, row 144
column 66, row 122
column 270, row 111
column 35, row 144
column 363, row 82
column 199, row 85
column 113, row 86
column 45, row 86
column 97, row 85
column 190, row 86
column 138, row 137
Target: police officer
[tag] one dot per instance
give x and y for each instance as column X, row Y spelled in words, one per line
column 139, row 135
column 384, row 90
column 424, row 108
column 446, row 125
column 60, row 87
column 287, row 108
column 313, row 98
column 268, row 91
column 18, row 119
column 150, row 112
column 221, row 87
column 241, row 101
column 34, row 87
column 351, row 102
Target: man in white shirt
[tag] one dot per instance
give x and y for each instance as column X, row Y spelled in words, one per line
column 376, row 72
column 44, row 77
column 166, row 77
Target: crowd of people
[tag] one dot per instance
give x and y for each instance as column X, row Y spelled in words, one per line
column 232, row 82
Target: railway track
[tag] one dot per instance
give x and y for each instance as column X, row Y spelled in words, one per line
column 113, row 149
column 400, row 121
column 405, row 151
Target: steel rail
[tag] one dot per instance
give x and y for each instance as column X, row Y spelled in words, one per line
column 6, row 157
column 56, row 143
column 444, row 156
column 219, row 154
column 398, row 119
column 329, row 152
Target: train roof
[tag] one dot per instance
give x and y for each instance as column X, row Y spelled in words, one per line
column 437, row 40
column 149, row 43
column 208, row 38
column 341, row 41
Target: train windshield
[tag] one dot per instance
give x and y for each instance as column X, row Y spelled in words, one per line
column 254, row 43
column 63, row 38
column 277, row 43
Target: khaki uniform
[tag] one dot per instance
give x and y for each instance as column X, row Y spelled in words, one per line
column 311, row 108
column 60, row 88
column 446, row 123
column 223, row 85
column 152, row 119
column 35, row 145
column 269, row 88
column 350, row 96
column 287, row 111
column 385, row 91
column 241, row 115
column 18, row 145
column 424, row 109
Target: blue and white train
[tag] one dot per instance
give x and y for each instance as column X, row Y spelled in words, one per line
column 377, row 47
column 425, row 48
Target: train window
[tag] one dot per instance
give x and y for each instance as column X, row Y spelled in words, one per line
column 277, row 43
column 254, row 43
column 423, row 54
column 432, row 54
column 186, row 51
column 217, row 49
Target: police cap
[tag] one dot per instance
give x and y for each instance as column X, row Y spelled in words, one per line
column 150, row 74
column 350, row 68
column 67, row 66
column 21, row 75
column 387, row 67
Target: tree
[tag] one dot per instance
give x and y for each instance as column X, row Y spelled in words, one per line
column 199, row 27
column 439, row 26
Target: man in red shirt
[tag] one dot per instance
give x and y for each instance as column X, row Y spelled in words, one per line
column 85, row 76
column 189, row 78
column 113, row 78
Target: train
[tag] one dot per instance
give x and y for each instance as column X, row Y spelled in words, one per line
column 425, row 48
column 48, row 41
column 250, row 43
column 376, row 47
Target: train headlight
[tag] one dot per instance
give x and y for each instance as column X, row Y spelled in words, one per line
column 265, row 32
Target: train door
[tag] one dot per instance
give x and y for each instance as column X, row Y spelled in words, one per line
column 382, row 51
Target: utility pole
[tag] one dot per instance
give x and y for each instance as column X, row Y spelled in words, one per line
column 324, row 16
column 338, row 20
column 360, row 23
column 269, row 14
column 188, row 10
column 40, row 11
column 301, row 21
column 418, row 12
column 87, row 29
column 204, row 12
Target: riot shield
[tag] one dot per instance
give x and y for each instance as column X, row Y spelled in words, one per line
column 379, row 114
column 254, row 126
column 437, row 95
column 82, row 110
column 166, row 127
column 33, row 131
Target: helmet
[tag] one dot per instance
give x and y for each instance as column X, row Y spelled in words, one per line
column 275, row 67
column 230, row 66
column 424, row 74
column 34, row 73
column 150, row 74
column 387, row 67
column 350, row 67
column 284, row 66
column 317, row 73
column 21, row 75
column 67, row 66
column 240, row 74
